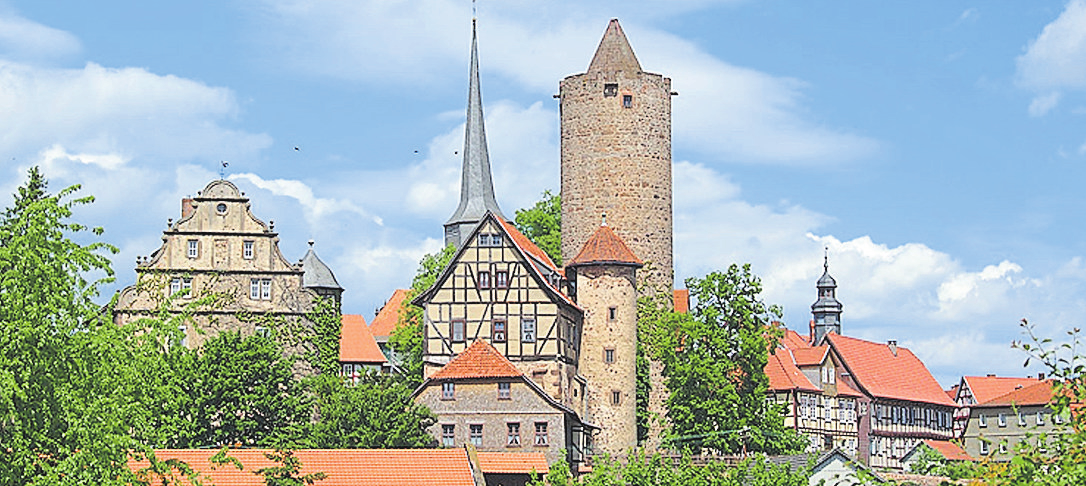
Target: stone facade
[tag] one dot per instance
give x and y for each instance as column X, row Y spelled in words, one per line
column 218, row 247
column 616, row 157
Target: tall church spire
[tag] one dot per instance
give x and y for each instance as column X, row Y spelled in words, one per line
column 476, row 186
column 827, row 309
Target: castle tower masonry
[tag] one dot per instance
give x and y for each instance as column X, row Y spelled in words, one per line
column 606, row 288
column 616, row 157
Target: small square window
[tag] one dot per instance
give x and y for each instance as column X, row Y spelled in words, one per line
column 503, row 390
column 496, row 239
column 627, row 101
column 609, row 355
column 484, row 239
column 194, row 248
column 247, row 250
column 616, row 397
column 513, row 437
column 540, row 433
column 484, row 279
column 527, row 330
column 501, row 279
column 498, row 331
column 175, row 286
column 448, row 435
column 610, row 89
column 448, row 390
column 456, row 330
column 476, row 434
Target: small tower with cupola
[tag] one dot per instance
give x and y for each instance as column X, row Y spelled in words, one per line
column 826, row 311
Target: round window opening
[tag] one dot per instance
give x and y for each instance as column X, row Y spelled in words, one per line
column 221, row 208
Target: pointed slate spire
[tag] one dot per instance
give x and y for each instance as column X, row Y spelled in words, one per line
column 827, row 309
column 614, row 53
column 476, row 186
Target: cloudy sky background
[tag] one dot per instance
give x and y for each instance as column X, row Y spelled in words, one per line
column 936, row 150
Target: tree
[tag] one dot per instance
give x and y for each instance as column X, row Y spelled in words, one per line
column 286, row 474
column 542, row 224
column 406, row 339
column 714, row 362
column 376, row 412
column 655, row 470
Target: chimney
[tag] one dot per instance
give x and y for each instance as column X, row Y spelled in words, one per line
column 892, row 344
column 810, row 337
column 991, row 375
column 187, row 207
column 1041, row 376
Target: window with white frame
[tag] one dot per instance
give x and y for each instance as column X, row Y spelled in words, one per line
column 265, row 289
column 498, row 328
column 1003, row 447
column 984, row 447
column 448, row 390
column 247, row 250
column 1021, row 419
column 254, row 288
column 982, row 420
column 527, row 330
column 456, row 330
column 541, row 433
column 475, row 434
column 175, row 286
column 186, row 284
column 1040, row 418
column 503, row 390
column 513, row 434
column 194, row 248
column 448, row 435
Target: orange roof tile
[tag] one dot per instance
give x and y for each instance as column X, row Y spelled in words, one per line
column 882, row 374
column 949, row 450
column 792, row 340
column 605, row 247
column 985, row 388
column 1039, row 393
column 480, row 360
column 513, row 462
column 843, row 388
column 681, row 298
column 810, row 356
column 525, row 244
column 356, row 344
column 389, row 316
column 784, row 375
column 345, row 467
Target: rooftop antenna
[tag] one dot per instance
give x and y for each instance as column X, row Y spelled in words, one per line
column 826, row 258
column 222, row 171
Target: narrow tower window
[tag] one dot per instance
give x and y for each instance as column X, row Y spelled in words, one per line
column 627, row 101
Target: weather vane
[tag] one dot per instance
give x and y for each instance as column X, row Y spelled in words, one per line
column 222, row 171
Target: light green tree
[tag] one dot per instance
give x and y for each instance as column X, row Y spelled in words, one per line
column 542, row 224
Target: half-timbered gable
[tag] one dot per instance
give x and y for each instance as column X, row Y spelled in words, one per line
column 501, row 288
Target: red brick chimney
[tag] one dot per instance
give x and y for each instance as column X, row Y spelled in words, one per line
column 187, row 207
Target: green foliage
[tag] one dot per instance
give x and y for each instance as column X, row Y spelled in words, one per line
column 542, row 224
column 286, row 473
column 376, row 412
column 656, row 470
column 327, row 325
column 714, row 362
column 1058, row 458
column 406, row 339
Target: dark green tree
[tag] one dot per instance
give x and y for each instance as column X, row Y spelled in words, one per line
column 542, row 224
column 376, row 412
column 287, row 472
column 406, row 339
column 714, row 362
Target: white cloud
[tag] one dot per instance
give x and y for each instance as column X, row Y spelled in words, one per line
column 1056, row 59
column 27, row 40
column 317, row 208
column 50, row 156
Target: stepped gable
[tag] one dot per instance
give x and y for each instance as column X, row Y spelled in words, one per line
column 389, row 316
column 783, row 374
column 1039, row 393
column 605, row 248
column 356, row 344
column 480, row 360
column 614, row 53
column 985, row 388
column 882, row 373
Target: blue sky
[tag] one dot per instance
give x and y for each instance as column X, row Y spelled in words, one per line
column 936, row 148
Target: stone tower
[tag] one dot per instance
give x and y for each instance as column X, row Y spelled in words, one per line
column 616, row 157
column 606, row 288
column 476, row 186
column 827, row 309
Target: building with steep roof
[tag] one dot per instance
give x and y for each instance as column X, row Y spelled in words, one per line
column 218, row 247
column 972, row 390
column 997, row 425
column 482, row 399
column 358, row 350
column 386, row 321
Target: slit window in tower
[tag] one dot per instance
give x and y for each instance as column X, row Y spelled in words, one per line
column 609, row 356
column 610, row 89
column 612, row 313
column 616, row 397
column 627, row 101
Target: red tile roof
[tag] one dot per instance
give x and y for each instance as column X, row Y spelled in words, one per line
column 810, row 356
column 525, row 244
column 1039, row 393
column 605, row 247
column 784, row 375
column 681, row 297
column 792, row 340
column 345, row 467
column 985, row 388
column 513, row 462
column 949, row 450
column 389, row 316
column 882, row 374
column 480, row 360
column 356, row 344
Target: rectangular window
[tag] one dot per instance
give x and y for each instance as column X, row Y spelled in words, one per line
column 983, row 447
column 448, row 390
column 540, row 433
column 1040, row 418
column 616, row 397
column 484, row 279
column 513, row 438
column 982, row 420
column 484, row 239
column 501, row 279
column 1021, row 418
column 247, row 250
column 1057, row 418
column 265, row 289
column 503, row 390
column 610, row 90
column 175, row 286
column 194, row 248
column 612, row 313
column 527, row 330
column 184, row 336
column 456, row 330
column 186, row 284
column 476, row 434
column 262, row 331
column 254, row 288
column 627, row 101
column 496, row 239
column 448, row 435
column 498, row 331
column 1002, row 419
column 608, row 356
column 1002, row 447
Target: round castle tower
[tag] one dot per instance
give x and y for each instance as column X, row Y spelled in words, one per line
column 616, row 157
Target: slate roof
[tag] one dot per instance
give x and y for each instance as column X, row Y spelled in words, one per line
column 1039, row 393
column 344, row 467
column 480, row 360
column 389, row 316
column 784, row 375
column 985, row 388
column 356, row 344
column 513, row 462
column 315, row 273
column 604, row 247
column 883, row 375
